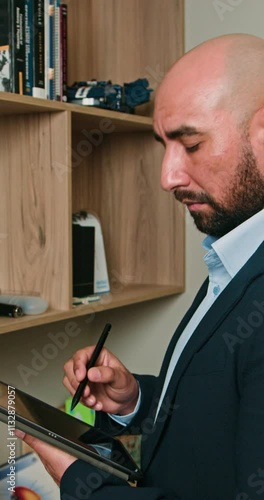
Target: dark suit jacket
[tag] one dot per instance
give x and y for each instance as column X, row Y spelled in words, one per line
column 208, row 440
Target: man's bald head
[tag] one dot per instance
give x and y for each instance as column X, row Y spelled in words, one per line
column 209, row 115
column 229, row 70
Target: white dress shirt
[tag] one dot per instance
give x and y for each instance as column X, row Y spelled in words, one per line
column 224, row 258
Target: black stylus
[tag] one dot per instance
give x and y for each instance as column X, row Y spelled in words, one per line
column 78, row 394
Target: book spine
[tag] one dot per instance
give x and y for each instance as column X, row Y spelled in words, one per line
column 5, row 48
column 51, row 84
column 28, row 47
column 57, row 55
column 46, row 46
column 38, row 50
column 18, row 45
column 64, row 75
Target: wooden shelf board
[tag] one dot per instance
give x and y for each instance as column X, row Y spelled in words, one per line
column 130, row 295
column 121, row 122
column 14, row 104
column 11, row 104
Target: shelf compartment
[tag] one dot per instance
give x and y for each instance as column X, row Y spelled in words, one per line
column 35, row 214
column 82, row 116
column 142, row 225
column 128, row 296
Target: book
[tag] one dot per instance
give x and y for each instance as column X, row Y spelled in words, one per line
column 33, row 39
column 5, row 68
column 18, row 45
column 5, row 49
column 49, row 49
column 63, row 47
column 12, row 46
column 28, row 47
column 57, row 51
column 38, row 50
column 31, row 480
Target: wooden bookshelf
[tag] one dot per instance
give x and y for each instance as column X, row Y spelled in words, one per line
column 15, row 104
column 130, row 295
column 52, row 167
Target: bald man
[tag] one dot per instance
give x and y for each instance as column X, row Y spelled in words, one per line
column 204, row 438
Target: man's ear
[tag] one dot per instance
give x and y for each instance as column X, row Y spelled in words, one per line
column 256, row 132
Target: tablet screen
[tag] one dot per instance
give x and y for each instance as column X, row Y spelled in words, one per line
column 60, row 426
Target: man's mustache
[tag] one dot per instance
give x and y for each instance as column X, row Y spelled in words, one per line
column 192, row 197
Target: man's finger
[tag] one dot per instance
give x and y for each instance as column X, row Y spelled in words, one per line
column 107, row 375
column 20, row 434
column 33, row 442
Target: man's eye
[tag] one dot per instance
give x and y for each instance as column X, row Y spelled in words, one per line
column 192, row 149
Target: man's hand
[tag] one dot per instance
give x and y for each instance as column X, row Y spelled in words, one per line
column 55, row 461
column 112, row 388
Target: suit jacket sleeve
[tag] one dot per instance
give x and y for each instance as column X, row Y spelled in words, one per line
column 250, row 429
column 83, row 481
column 108, row 425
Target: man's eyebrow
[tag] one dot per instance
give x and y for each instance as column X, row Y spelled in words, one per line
column 158, row 138
column 178, row 132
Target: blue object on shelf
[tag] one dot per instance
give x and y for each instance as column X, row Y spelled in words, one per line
column 105, row 94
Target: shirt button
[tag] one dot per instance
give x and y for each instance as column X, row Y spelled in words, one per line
column 216, row 290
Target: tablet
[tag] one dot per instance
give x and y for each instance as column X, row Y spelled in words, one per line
column 33, row 416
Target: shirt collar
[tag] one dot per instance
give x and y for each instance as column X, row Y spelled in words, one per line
column 236, row 247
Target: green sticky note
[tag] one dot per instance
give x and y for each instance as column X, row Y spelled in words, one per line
column 80, row 411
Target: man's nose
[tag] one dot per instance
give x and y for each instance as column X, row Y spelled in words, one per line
column 174, row 170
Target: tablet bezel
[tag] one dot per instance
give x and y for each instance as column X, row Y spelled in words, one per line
column 77, row 449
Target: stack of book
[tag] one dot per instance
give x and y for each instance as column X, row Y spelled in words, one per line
column 33, row 48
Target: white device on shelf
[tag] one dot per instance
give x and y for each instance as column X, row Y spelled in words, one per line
column 101, row 281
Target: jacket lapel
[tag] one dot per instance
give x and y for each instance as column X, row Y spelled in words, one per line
column 197, row 300
column 211, row 321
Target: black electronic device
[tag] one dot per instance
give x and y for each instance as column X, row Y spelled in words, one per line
column 83, row 255
column 63, row 431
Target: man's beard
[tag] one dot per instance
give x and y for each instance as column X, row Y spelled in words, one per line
column 244, row 197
